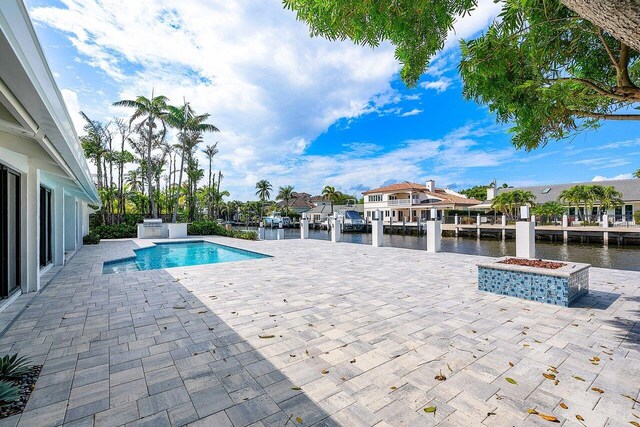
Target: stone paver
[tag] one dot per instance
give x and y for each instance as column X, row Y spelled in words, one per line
column 321, row 334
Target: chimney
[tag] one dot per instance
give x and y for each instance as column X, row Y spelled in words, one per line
column 491, row 193
column 431, row 186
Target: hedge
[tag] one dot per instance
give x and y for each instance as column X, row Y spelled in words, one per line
column 208, row 228
column 115, row 231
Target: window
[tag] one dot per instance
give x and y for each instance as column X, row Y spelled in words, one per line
column 386, row 213
column 9, row 231
column 618, row 213
column 375, row 197
column 45, row 227
column 628, row 213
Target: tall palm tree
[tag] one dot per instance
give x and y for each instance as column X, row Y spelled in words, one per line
column 186, row 122
column 263, row 191
column 610, row 197
column 329, row 192
column 210, row 151
column 133, row 179
column 149, row 110
column 636, row 174
column 285, row 194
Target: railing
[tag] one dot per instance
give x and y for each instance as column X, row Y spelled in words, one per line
column 402, row 202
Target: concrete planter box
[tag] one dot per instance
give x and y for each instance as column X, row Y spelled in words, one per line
column 561, row 286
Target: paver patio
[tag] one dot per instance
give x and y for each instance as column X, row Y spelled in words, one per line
column 359, row 335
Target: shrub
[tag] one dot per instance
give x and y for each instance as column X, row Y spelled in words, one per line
column 13, row 367
column 115, row 231
column 91, row 239
column 636, row 217
column 208, row 228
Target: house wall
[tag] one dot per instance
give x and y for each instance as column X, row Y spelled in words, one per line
column 37, row 169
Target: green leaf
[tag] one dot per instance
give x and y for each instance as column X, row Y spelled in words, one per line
column 511, row 380
column 430, row 409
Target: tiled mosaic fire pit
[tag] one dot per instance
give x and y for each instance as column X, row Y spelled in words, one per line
column 560, row 286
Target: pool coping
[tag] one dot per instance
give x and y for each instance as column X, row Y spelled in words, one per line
column 182, row 241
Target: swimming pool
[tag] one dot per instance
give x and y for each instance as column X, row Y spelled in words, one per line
column 179, row 254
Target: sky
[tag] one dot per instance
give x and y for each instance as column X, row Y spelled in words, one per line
column 304, row 111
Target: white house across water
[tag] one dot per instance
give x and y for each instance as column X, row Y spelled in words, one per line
column 45, row 183
column 409, row 201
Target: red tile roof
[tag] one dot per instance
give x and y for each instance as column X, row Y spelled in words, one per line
column 439, row 193
column 406, row 185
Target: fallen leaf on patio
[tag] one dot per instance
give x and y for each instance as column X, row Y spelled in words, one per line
column 579, row 418
column 606, row 352
column 532, row 411
column 430, row 409
column 440, row 377
column 538, row 342
column 511, row 364
column 177, row 307
column 450, row 370
column 556, row 382
column 202, row 312
column 296, row 388
column 597, row 390
column 563, row 405
column 549, row 376
column 511, row 380
column 394, row 387
column 292, row 355
column 352, row 361
column 629, row 397
column 474, row 331
column 553, row 369
column 343, row 378
column 272, row 315
column 578, row 378
column 634, row 423
column 266, row 337
column 299, row 420
column 325, row 372
column 596, row 359
column 490, row 413
column 549, row 418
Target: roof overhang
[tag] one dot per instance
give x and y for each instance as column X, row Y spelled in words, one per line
column 29, row 91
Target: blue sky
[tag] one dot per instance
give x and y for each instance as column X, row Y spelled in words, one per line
column 304, row 111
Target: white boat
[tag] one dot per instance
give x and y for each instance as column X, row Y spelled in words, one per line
column 275, row 219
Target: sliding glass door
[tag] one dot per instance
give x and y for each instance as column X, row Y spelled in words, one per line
column 46, row 256
column 9, row 231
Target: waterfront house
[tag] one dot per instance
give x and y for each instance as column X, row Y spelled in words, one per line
column 624, row 214
column 409, row 201
column 45, row 183
column 299, row 203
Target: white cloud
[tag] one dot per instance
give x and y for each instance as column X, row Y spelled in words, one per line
column 439, row 85
column 269, row 87
column 604, row 178
column 413, row 112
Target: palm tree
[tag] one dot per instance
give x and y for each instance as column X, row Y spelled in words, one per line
column 636, row 174
column 150, row 110
column 610, row 197
column 285, row 193
column 264, row 189
column 329, row 192
column 133, row 179
column 210, row 151
column 186, row 122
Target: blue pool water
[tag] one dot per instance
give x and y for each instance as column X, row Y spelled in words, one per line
column 167, row 255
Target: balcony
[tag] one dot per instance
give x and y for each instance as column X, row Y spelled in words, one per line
column 403, row 202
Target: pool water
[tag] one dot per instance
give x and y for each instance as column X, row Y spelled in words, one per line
column 184, row 254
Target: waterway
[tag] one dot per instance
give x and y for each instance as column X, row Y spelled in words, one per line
column 612, row 256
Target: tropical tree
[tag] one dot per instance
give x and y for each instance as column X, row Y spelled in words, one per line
column 187, row 123
column 509, row 202
column 550, row 66
column 285, row 194
column 551, row 210
column 263, row 191
column 636, row 174
column 609, row 197
column 210, row 151
column 329, row 192
column 549, row 72
column 149, row 110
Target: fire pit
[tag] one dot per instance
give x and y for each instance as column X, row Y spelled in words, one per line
column 544, row 281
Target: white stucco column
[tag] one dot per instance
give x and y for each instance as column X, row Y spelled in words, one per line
column 280, row 231
column 565, row 224
column 605, row 225
column 525, row 235
column 58, row 226
column 261, row 234
column 377, row 230
column 504, row 220
column 336, row 232
column 31, row 252
column 533, row 220
column 456, row 219
column 304, row 226
column 70, row 223
column 434, row 233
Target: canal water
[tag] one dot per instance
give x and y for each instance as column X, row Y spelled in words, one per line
column 614, row 256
